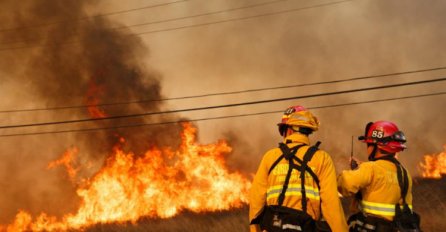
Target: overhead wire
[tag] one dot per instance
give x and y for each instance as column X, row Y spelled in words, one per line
column 244, row 18
column 202, row 14
column 225, row 105
column 228, row 92
column 176, row 18
column 95, row 16
column 217, row 118
column 200, row 24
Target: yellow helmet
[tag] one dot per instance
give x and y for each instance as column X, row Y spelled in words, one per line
column 299, row 118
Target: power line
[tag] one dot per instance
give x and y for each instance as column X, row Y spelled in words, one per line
column 205, row 24
column 228, row 93
column 96, row 16
column 202, row 14
column 244, row 18
column 178, row 18
column 220, row 117
column 225, row 106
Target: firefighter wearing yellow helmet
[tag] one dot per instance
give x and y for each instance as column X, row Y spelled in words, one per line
column 382, row 186
column 295, row 187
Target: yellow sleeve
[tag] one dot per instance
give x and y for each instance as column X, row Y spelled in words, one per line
column 254, row 228
column 351, row 181
column 257, row 193
column 331, row 204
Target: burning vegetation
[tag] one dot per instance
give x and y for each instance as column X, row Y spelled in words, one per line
column 434, row 166
column 159, row 184
column 152, row 172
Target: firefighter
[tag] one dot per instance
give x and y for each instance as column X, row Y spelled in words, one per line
column 295, row 187
column 382, row 186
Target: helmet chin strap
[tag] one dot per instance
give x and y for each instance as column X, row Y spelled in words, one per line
column 372, row 156
column 283, row 129
column 373, row 153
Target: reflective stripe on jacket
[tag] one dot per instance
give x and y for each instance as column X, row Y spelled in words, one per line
column 267, row 188
column 378, row 183
column 379, row 208
column 292, row 190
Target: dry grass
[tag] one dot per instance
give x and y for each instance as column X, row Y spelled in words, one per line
column 429, row 202
column 225, row 221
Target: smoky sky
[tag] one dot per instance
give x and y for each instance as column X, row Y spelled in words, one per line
column 71, row 58
column 352, row 39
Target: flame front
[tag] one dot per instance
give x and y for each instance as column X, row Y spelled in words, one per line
column 161, row 183
column 434, row 166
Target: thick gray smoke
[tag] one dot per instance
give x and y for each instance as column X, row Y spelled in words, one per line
column 68, row 59
column 82, row 60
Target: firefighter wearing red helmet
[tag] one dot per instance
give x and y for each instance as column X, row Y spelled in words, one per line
column 295, row 188
column 382, row 186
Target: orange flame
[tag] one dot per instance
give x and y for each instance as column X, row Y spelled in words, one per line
column 92, row 100
column 161, row 183
column 67, row 160
column 434, row 166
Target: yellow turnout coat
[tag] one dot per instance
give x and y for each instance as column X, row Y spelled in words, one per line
column 266, row 188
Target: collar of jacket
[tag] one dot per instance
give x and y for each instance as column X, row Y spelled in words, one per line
column 297, row 138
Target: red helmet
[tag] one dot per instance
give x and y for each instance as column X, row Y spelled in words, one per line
column 386, row 135
column 298, row 117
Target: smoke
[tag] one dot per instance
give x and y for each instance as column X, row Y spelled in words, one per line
column 69, row 59
column 81, row 60
column 352, row 39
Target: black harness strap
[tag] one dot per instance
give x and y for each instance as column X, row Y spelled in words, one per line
column 286, row 152
column 403, row 182
column 287, row 181
column 309, row 170
column 307, row 157
column 403, row 179
column 406, row 185
column 405, row 219
column 289, row 154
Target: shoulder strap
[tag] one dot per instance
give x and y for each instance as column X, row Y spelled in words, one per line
column 286, row 152
column 302, row 169
column 403, row 179
column 310, row 171
column 307, row 157
column 406, row 184
column 289, row 154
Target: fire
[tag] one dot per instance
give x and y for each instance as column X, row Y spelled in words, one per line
column 434, row 166
column 161, row 184
column 67, row 160
column 94, row 93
